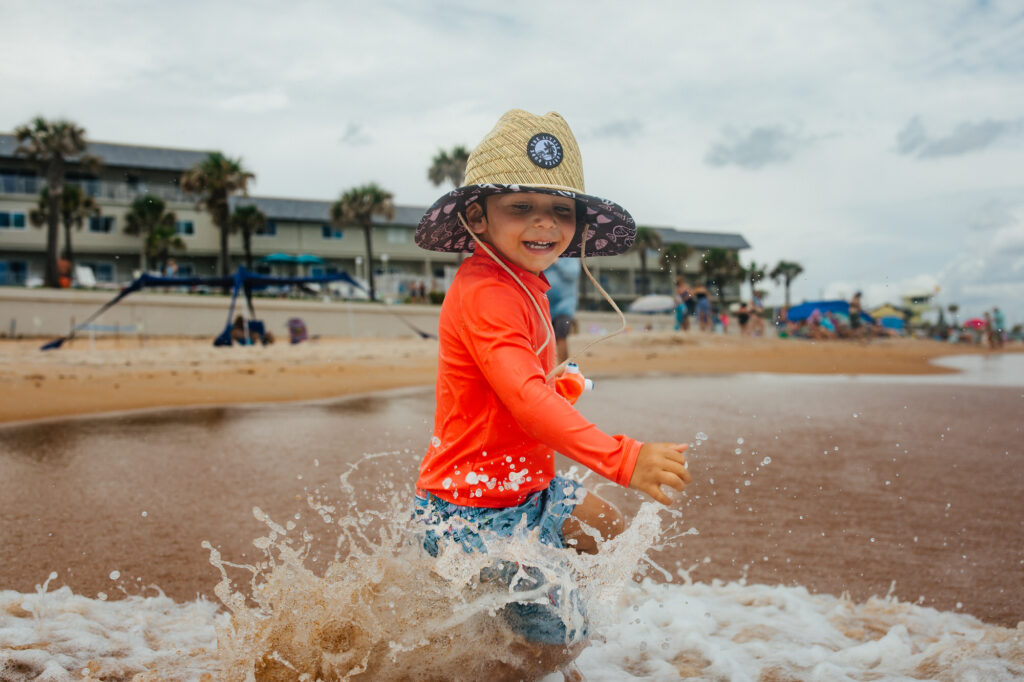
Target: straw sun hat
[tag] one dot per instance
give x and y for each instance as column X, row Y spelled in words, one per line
column 527, row 153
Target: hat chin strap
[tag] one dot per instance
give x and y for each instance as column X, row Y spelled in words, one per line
column 540, row 313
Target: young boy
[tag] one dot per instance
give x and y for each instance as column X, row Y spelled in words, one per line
column 499, row 419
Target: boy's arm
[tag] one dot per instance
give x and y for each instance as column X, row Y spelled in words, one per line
column 496, row 324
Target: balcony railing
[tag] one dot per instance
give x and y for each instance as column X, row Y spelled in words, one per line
column 20, row 184
column 100, row 189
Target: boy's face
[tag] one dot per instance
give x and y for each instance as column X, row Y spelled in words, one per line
column 530, row 230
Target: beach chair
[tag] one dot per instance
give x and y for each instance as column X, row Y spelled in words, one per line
column 297, row 330
column 258, row 330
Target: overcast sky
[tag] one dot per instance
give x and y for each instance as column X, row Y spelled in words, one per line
column 879, row 144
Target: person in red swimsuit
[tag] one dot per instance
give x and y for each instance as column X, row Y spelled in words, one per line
column 499, row 418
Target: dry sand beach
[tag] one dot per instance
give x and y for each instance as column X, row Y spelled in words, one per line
column 114, row 375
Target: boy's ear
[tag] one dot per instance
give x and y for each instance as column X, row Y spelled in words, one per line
column 475, row 218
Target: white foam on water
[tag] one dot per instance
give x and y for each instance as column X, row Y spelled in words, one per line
column 717, row 631
column 383, row 609
column 56, row 636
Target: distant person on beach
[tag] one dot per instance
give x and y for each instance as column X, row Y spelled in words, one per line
column 563, row 298
column 500, row 413
column 990, row 331
column 704, row 321
column 855, row 321
column 685, row 304
column 999, row 322
column 743, row 318
column 757, row 314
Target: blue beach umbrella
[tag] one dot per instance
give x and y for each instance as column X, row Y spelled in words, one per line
column 278, row 258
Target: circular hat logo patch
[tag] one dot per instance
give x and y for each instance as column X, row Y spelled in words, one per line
column 544, row 150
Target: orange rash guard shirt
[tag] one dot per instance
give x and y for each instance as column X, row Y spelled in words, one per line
column 497, row 421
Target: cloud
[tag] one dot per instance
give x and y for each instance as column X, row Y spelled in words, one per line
column 354, row 136
column 993, row 214
column 756, row 148
column 255, row 102
column 621, row 129
column 989, row 268
column 967, row 137
column 876, row 294
column 985, row 270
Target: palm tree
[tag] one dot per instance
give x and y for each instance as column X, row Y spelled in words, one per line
column 754, row 274
column 161, row 240
column 953, row 310
column 147, row 217
column 721, row 267
column 248, row 220
column 674, row 257
column 358, row 206
column 647, row 239
column 786, row 271
column 214, row 179
column 50, row 144
column 450, row 167
column 75, row 207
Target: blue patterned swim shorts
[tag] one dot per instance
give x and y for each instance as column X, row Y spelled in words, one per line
column 545, row 510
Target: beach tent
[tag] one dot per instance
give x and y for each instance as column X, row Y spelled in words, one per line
column 654, row 303
column 243, row 280
column 838, row 307
column 892, row 322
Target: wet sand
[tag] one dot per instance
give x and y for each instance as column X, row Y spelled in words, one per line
column 923, row 491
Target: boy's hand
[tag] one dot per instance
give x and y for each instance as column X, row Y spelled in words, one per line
column 660, row 464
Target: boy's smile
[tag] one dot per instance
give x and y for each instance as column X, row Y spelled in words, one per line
column 528, row 229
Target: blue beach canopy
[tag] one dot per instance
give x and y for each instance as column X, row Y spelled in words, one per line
column 243, row 280
column 838, row 307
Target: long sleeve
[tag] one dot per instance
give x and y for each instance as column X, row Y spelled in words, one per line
column 496, row 325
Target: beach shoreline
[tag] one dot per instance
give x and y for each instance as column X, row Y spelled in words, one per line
column 114, row 375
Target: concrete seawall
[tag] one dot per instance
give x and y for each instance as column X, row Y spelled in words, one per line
column 52, row 312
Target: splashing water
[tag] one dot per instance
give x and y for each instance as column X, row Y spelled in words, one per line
column 383, row 609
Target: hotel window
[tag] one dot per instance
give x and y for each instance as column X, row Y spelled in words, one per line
column 101, row 223
column 331, row 232
column 398, row 235
column 18, row 182
column 13, row 272
column 104, row 272
column 269, row 230
column 185, row 227
column 12, row 221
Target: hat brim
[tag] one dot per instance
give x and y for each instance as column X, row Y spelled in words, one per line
column 610, row 228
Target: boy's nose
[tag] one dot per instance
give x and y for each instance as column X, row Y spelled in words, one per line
column 546, row 218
